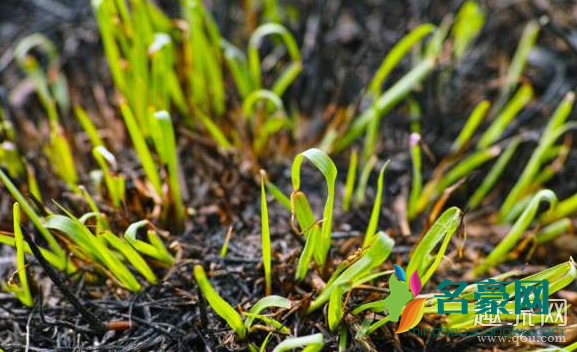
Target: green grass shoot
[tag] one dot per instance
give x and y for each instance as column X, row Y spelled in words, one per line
column 31, row 214
column 220, row 306
column 501, row 252
column 311, row 343
column 265, row 235
column 468, row 23
column 497, row 127
column 326, row 166
column 348, row 277
column 114, row 182
column 350, row 182
column 473, row 122
column 417, row 177
column 423, row 260
column 22, row 291
column 290, row 73
column 554, row 129
column 376, row 212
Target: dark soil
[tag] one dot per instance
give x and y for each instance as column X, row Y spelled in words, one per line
column 342, row 42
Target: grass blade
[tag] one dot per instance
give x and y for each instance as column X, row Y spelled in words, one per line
column 374, row 256
column 501, row 251
column 141, row 148
column 468, row 23
column 517, row 103
column 555, row 128
column 313, row 343
column 396, row 54
column 387, row 101
column 22, row 292
column 264, row 303
column 493, row 175
column 471, row 125
column 265, row 236
column 422, row 259
column 220, row 306
column 376, row 212
column 326, row 166
column 417, row 179
column 31, row 214
column 350, row 183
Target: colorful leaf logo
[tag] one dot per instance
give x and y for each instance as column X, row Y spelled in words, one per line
column 400, row 273
column 412, row 314
column 415, row 284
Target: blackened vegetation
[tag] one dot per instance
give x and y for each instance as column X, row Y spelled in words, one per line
column 342, row 43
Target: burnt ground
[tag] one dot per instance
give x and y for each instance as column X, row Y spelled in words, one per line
column 342, row 44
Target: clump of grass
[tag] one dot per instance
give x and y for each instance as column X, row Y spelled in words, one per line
column 351, row 273
column 102, row 248
column 556, row 127
column 59, row 256
column 52, row 90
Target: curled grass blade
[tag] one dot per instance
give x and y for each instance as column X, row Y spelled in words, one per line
column 312, row 343
column 155, row 248
column 290, row 73
column 264, row 303
column 326, row 166
column 501, row 251
column 249, row 104
column 423, row 261
column 114, row 182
